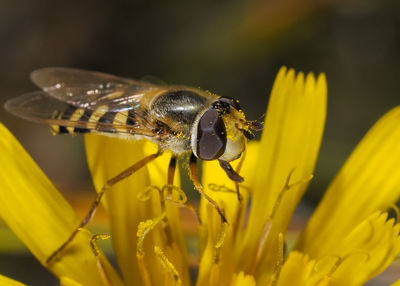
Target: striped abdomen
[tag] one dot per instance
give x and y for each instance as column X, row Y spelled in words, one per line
column 78, row 120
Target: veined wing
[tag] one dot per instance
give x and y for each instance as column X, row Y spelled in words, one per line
column 66, row 118
column 89, row 90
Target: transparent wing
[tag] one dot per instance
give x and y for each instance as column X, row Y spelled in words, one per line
column 40, row 107
column 87, row 89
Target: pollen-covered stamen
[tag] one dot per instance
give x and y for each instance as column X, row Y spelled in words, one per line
column 167, row 194
column 93, row 244
column 220, row 188
column 143, row 229
column 263, row 238
column 102, row 270
column 167, row 265
column 220, row 242
column 269, row 222
column 279, row 260
column 319, row 265
column 224, row 189
column 144, row 195
column 96, row 251
column 180, row 200
column 286, row 188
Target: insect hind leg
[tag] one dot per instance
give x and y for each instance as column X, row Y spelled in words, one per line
column 124, row 174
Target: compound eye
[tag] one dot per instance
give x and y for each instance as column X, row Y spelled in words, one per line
column 231, row 101
column 211, row 136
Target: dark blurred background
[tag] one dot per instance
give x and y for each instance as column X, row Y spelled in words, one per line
column 233, row 48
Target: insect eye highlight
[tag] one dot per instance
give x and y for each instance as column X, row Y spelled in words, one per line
column 211, row 136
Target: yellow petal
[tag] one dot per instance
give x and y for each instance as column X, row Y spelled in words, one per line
column 243, row 280
column 106, row 158
column 9, row 282
column 369, row 180
column 287, row 155
column 354, row 268
column 40, row 217
column 366, row 251
column 397, row 283
column 300, row 270
column 66, row 281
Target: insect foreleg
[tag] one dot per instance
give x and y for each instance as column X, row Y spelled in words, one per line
column 199, row 187
column 124, row 174
column 230, row 171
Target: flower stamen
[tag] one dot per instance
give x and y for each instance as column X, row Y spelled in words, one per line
column 96, row 251
column 181, row 201
column 286, row 188
column 263, row 239
column 220, row 188
column 143, row 229
column 93, row 245
column 167, row 265
column 167, row 194
column 145, row 195
column 337, row 264
column 279, row 260
column 220, row 242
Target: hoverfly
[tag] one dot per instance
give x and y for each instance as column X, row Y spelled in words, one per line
column 177, row 118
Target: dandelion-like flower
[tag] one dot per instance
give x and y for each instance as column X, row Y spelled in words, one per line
column 348, row 240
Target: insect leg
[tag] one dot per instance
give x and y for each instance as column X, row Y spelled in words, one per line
column 238, row 168
column 230, row 171
column 170, row 181
column 171, row 170
column 124, row 174
column 199, row 187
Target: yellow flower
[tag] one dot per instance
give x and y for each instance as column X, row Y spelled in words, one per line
column 41, row 218
column 348, row 240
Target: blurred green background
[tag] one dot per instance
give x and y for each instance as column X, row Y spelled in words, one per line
column 233, row 48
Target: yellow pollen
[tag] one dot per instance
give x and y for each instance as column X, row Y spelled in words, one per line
column 144, row 195
column 143, row 229
column 94, row 245
column 279, row 260
column 220, row 242
column 220, row 188
column 167, row 265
